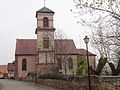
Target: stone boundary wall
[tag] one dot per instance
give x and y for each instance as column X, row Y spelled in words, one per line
column 111, row 82
column 81, row 83
column 65, row 85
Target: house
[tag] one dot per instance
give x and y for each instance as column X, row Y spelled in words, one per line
column 11, row 69
column 3, row 71
column 45, row 54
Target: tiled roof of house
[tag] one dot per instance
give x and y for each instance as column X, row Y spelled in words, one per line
column 3, row 69
column 11, row 67
column 83, row 52
column 64, row 46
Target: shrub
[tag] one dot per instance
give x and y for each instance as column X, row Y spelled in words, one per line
column 10, row 78
column 32, row 74
column 53, row 75
column 82, row 66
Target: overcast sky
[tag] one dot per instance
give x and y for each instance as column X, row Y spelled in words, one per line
column 17, row 20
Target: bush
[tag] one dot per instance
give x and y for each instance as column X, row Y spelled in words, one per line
column 53, row 75
column 81, row 69
column 32, row 74
column 10, row 78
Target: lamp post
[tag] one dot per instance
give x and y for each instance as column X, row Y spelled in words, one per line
column 86, row 40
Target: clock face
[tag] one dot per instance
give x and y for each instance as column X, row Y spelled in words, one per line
column 45, row 33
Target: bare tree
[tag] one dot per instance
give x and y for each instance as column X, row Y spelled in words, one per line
column 115, row 68
column 61, row 47
column 101, row 64
column 104, row 17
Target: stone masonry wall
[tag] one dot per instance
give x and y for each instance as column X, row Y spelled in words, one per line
column 81, row 83
column 111, row 82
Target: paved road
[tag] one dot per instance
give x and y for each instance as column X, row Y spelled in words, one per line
column 21, row 85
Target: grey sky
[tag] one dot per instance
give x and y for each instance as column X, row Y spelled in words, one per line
column 17, row 20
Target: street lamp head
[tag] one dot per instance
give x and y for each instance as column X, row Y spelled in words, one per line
column 86, row 40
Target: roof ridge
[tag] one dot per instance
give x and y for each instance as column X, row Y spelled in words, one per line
column 80, row 48
column 26, row 39
column 64, row 39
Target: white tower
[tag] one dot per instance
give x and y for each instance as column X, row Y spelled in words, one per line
column 45, row 38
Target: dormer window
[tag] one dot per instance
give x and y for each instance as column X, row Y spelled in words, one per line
column 45, row 22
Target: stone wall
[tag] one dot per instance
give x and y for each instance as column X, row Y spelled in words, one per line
column 110, row 82
column 81, row 83
column 65, row 85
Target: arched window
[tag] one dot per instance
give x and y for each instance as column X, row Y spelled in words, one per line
column 70, row 63
column 45, row 22
column 24, row 64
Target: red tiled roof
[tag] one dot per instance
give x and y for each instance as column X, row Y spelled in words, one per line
column 83, row 52
column 11, row 67
column 26, row 46
column 3, row 69
column 64, row 46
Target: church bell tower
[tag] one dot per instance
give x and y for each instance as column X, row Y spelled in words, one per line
column 45, row 39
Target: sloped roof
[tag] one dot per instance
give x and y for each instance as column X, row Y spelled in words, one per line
column 26, row 47
column 3, row 69
column 11, row 67
column 83, row 52
column 45, row 10
column 64, row 46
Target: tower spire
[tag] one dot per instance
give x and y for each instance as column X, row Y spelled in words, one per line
column 44, row 3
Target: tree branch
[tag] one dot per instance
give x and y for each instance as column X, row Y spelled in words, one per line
column 115, row 15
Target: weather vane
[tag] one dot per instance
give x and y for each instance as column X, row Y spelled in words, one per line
column 44, row 3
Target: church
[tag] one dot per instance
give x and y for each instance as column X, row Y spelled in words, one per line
column 47, row 54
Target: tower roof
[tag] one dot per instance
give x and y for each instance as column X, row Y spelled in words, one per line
column 45, row 10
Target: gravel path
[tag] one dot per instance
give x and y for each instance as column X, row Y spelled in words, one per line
column 22, row 85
